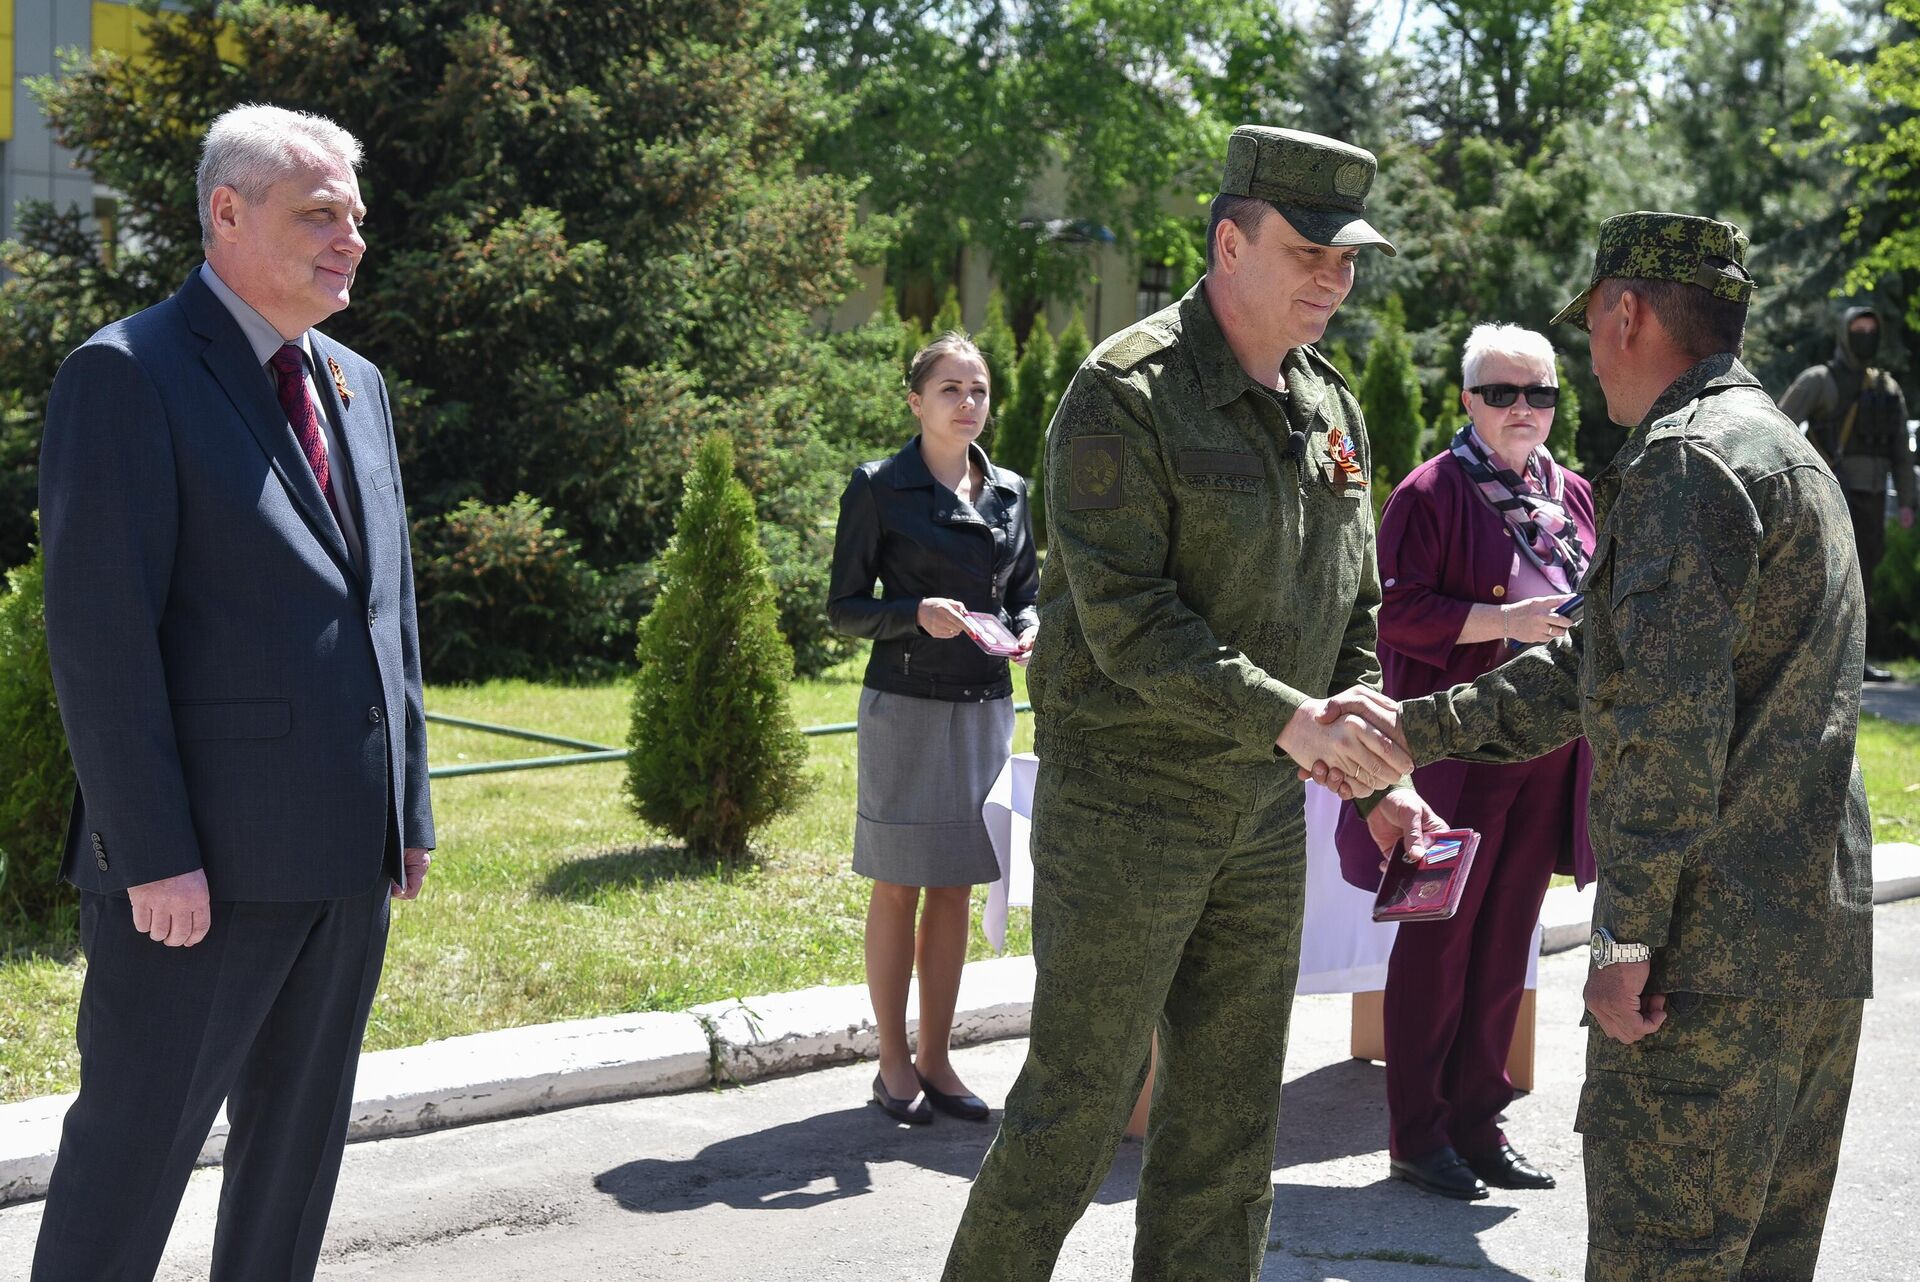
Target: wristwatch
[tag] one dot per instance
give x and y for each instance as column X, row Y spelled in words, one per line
column 1608, row 951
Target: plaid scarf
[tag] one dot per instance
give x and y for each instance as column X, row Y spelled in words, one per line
column 1534, row 506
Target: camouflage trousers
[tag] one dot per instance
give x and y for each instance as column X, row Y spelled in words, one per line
column 1711, row 1144
column 1149, row 913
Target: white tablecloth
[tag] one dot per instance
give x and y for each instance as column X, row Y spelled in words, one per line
column 1342, row 949
column 1007, row 807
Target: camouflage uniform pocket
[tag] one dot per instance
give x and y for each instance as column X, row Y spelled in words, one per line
column 1651, row 1149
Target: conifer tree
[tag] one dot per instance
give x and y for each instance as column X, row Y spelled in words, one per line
column 947, row 318
column 715, row 754
column 36, row 775
column 1341, row 359
column 1023, row 420
column 1067, row 357
column 998, row 345
column 1563, row 441
column 1390, row 398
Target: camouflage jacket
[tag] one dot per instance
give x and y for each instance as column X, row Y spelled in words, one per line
column 1202, row 579
column 1717, row 677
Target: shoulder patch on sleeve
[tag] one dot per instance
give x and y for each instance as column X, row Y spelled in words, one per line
column 1131, row 346
column 1096, row 472
column 1675, row 421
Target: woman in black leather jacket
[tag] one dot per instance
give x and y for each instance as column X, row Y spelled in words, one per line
column 945, row 533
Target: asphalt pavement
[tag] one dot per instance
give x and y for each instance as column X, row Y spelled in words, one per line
column 797, row 1178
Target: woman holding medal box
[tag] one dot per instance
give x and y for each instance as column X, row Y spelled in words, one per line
column 1479, row 547
column 945, row 533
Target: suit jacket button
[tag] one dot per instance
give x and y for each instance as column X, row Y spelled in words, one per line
column 101, row 862
column 1499, row 590
column 373, row 716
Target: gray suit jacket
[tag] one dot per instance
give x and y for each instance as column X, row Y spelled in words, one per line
column 239, row 695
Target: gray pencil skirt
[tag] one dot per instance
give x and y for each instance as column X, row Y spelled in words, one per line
column 925, row 767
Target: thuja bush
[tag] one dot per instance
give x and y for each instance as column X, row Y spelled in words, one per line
column 715, row 752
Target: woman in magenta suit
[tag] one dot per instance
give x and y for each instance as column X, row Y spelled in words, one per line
column 1478, row 546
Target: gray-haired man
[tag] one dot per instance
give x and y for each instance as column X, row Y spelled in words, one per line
column 230, row 619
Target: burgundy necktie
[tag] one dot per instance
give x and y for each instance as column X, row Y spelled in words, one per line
column 290, row 378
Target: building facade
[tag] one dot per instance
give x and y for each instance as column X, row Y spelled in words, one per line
column 33, row 35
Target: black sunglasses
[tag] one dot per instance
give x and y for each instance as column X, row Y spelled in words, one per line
column 1501, row 395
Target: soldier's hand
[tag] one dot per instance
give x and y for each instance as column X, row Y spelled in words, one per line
column 1403, row 815
column 1622, row 1007
column 1533, row 620
column 1382, row 713
column 1367, row 759
column 1378, row 711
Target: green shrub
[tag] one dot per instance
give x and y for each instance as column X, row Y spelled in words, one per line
column 36, row 775
column 1896, row 594
column 502, row 592
column 1067, row 358
column 1001, row 350
column 1389, row 395
column 1563, row 442
column 1023, row 417
column 715, row 752
column 947, row 318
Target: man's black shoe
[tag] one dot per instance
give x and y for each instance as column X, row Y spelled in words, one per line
column 1442, row 1171
column 1876, row 674
column 1506, row 1169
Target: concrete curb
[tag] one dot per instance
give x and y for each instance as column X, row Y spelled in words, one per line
column 757, row 1037
column 517, row 1071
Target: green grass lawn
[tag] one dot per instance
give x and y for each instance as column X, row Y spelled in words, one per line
column 1890, row 760
column 549, row 901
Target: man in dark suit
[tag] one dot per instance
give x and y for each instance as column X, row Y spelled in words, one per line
column 230, row 616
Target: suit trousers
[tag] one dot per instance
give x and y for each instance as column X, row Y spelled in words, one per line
column 1711, row 1144
column 267, row 1013
column 1454, row 986
column 1149, row 912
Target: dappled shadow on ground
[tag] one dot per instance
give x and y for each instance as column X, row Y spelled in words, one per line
column 592, row 876
column 1385, row 1221
column 797, row 1165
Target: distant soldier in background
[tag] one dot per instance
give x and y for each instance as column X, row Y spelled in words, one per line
column 1857, row 418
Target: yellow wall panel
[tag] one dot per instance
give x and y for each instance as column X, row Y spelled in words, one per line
column 122, row 29
column 6, row 70
column 113, row 28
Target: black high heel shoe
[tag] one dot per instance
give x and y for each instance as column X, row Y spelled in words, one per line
column 915, row 1112
column 968, row 1108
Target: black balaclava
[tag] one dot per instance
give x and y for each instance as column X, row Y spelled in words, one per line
column 1858, row 350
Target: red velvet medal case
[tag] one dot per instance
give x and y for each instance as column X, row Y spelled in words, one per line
column 1426, row 885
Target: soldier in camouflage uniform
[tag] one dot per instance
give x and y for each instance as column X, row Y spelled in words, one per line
column 1717, row 682
column 1210, row 577
column 1856, row 417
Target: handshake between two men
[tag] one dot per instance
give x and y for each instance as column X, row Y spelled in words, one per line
column 1351, row 744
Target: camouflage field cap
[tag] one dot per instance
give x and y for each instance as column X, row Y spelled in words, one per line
column 1319, row 183
column 1654, row 246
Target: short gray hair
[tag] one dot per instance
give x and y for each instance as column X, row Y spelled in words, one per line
column 251, row 147
column 1504, row 340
